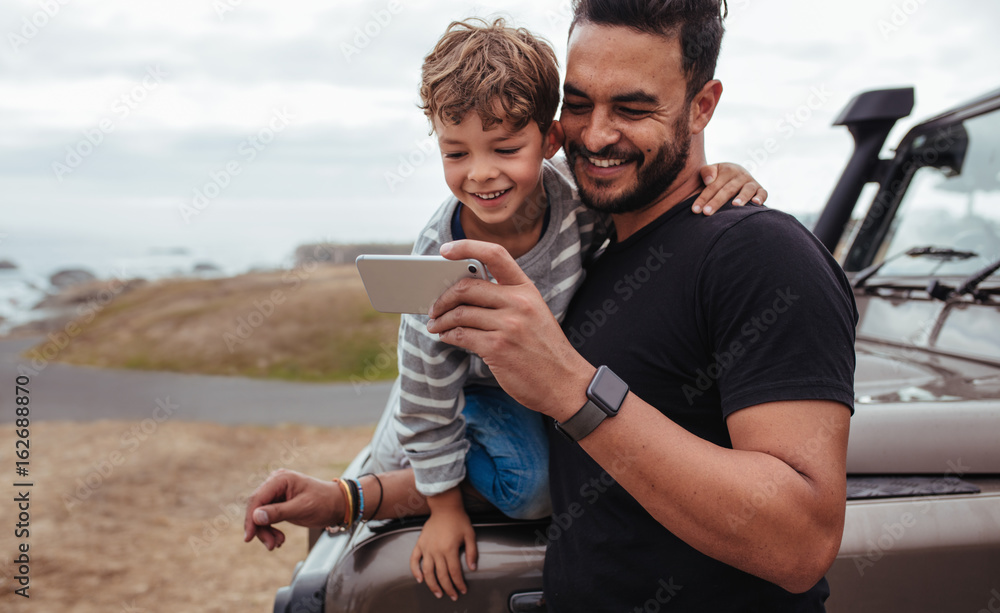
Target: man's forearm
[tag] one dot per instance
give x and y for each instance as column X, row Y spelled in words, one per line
column 748, row 509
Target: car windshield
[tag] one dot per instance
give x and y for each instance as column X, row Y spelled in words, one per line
column 960, row 212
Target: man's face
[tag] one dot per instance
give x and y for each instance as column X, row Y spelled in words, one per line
column 625, row 116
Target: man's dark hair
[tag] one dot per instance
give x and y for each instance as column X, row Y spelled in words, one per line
column 697, row 22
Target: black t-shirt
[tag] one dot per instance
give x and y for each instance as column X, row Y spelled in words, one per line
column 701, row 317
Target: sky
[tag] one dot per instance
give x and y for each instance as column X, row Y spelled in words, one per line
column 253, row 126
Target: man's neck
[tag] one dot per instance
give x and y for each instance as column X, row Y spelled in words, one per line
column 687, row 184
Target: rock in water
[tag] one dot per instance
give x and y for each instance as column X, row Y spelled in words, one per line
column 70, row 277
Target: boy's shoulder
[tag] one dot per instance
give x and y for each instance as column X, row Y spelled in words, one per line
column 561, row 190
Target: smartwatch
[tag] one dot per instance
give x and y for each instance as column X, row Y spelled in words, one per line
column 605, row 396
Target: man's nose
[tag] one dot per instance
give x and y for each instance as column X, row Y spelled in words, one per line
column 600, row 131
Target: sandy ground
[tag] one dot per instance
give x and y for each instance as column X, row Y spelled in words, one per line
column 128, row 517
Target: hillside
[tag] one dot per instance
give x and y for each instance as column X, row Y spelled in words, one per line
column 313, row 323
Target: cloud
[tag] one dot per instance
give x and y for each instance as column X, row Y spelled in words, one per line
column 355, row 112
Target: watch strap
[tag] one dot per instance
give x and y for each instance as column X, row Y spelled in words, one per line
column 583, row 422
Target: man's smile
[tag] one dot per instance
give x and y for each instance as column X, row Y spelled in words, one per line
column 606, row 163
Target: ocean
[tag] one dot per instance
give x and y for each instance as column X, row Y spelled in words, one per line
column 142, row 248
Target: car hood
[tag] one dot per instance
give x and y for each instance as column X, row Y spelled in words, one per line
column 892, row 373
column 922, row 412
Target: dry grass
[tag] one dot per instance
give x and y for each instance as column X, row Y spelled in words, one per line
column 304, row 325
column 163, row 530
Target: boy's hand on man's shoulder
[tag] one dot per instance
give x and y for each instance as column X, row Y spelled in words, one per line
column 724, row 181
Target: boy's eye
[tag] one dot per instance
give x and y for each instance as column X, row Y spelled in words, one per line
column 509, row 151
column 452, row 156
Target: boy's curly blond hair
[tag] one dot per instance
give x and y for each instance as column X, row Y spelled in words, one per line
column 498, row 71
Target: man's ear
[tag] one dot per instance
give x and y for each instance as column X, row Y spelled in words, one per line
column 553, row 139
column 704, row 104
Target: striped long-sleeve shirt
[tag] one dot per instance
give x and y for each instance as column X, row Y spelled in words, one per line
column 428, row 421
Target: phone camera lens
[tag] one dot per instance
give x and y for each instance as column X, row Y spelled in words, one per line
column 472, row 269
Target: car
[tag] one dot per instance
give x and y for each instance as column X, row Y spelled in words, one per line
column 922, row 530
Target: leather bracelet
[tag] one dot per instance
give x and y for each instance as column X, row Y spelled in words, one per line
column 348, row 503
column 381, row 493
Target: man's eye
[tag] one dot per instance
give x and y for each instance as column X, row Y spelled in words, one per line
column 573, row 107
column 633, row 112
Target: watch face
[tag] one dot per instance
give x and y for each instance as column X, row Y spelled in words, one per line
column 607, row 390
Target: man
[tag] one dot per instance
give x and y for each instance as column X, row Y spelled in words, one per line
column 718, row 482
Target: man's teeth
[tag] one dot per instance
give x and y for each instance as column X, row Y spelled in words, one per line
column 605, row 163
column 492, row 195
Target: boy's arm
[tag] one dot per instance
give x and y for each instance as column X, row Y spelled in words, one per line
column 429, row 423
column 436, row 558
column 723, row 182
column 431, row 430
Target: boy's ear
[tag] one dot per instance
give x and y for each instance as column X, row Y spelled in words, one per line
column 553, row 139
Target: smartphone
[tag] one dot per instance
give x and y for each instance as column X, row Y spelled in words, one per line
column 412, row 283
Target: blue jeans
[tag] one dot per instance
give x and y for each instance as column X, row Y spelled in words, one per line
column 508, row 458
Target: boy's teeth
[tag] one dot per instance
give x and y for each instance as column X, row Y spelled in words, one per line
column 492, row 195
column 605, row 163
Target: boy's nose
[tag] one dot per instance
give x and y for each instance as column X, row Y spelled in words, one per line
column 483, row 171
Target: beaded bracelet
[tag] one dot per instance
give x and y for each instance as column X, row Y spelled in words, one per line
column 360, row 514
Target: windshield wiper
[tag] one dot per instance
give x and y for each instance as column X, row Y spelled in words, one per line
column 940, row 253
column 968, row 286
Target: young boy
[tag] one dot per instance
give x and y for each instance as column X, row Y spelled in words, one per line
column 491, row 93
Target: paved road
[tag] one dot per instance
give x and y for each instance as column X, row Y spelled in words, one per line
column 75, row 393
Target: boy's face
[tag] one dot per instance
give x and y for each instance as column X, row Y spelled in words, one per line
column 496, row 173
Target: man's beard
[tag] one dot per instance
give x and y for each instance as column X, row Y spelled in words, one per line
column 652, row 179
